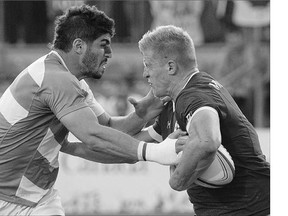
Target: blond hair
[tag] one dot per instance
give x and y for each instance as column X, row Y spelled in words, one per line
column 170, row 42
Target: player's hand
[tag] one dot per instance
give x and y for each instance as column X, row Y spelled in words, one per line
column 181, row 137
column 178, row 133
column 149, row 106
column 165, row 152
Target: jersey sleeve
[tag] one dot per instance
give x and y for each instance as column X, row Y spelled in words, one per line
column 155, row 131
column 187, row 104
column 64, row 94
column 90, row 99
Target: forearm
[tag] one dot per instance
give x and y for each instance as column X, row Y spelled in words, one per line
column 145, row 136
column 130, row 124
column 108, row 141
column 114, row 143
column 163, row 153
column 186, row 173
column 81, row 150
column 200, row 150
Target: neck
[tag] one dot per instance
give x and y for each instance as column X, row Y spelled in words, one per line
column 69, row 61
column 181, row 83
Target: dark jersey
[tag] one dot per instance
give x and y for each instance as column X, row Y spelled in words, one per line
column 165, row 123
column 249, row 192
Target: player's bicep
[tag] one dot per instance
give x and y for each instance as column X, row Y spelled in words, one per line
column 204, row 125
column 82, row 123
column 204, row 139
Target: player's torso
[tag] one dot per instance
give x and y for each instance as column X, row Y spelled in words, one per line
column 238, row 137
column 30, row 136
column 167, row 120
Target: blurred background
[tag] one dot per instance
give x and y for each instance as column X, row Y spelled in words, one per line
column 232, row 41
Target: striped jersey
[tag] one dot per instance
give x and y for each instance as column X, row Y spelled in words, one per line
column 30, row 131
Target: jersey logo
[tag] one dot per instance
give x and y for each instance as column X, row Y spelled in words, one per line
column 168, row 124
column 215, row 84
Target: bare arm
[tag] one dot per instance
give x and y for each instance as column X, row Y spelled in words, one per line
column 199, row 151
column 81, row 150
column 104, row 140
column 117, row 145
column 145, row 136
column 130, row 124
column 145, row 110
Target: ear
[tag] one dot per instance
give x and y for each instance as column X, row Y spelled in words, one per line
column 172, row 67
column 79, row 46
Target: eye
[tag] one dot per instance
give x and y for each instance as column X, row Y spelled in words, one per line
column 104, row 45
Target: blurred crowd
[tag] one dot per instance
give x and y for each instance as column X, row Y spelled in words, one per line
column 242, row 27
column 207, row 21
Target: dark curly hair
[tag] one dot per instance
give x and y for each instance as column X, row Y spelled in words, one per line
column 85, row 22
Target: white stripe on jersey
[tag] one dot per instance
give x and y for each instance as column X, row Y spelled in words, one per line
column 154, row 134
column 90, row 99
column 11, row 110
column 49, row 148
column 29, row 191
column 37, row 70
column 198, row 110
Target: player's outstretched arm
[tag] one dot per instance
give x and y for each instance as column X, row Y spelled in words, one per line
column 199, row 151
column 81, row 150
column 145, row 136
column 146, row 109
column 108, row 141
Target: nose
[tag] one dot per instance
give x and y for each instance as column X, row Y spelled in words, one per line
column 108, row 52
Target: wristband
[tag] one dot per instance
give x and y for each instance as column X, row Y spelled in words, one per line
column 140, row 151
column 144, row 151
column 163, row 153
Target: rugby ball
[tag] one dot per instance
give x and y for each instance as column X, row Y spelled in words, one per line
column 220, row 172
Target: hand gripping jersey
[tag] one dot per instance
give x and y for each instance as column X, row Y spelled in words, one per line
column 249, row 192
column 30, row 131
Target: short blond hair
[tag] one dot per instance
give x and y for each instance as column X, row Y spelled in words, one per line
column 170, row 41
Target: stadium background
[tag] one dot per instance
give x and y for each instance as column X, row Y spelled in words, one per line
column 232, row 43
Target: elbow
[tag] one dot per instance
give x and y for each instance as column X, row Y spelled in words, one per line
column 176, row 185
column 212, row 145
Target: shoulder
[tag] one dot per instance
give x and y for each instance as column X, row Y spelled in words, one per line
column 58, row 81
column 191, row 97
column 57, row 76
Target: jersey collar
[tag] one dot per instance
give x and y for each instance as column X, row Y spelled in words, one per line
column 61, row 59
column 195, row 72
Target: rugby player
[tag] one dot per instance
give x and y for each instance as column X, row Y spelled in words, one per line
column 48, row 99
column 210, row 116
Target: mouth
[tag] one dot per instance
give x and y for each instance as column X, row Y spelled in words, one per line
column 150, row 83
column 104, row 63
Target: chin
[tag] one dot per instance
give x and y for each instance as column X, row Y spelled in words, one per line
column 159, row 94
column 156, row 94
column 97, row 74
